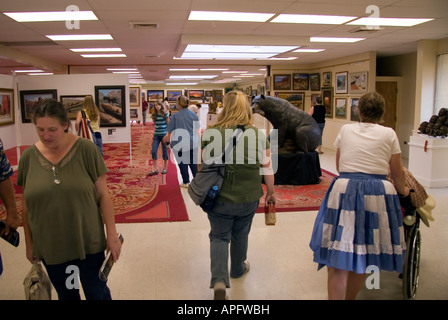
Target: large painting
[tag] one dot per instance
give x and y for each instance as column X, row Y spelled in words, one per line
column 297, row 99
column 282, row 82
column 154, row 95
column 31, row 99
column 111, row 101
column 73, row 104
column 6, row 106
column 300, row 81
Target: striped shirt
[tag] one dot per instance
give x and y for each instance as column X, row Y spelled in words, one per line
column 160, row 125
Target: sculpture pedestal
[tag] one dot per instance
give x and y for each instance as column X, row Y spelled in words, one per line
column 299, row 168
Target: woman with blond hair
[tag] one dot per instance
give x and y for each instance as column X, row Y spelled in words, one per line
column 232, row 214
column 93, row 114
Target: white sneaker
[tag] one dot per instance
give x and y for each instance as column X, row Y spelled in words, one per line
column 184, row 185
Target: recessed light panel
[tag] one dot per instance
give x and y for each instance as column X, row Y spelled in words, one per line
column 74, row 37
column 51, row 16
column 388, row 22
column 312, row 19
column 229, row 16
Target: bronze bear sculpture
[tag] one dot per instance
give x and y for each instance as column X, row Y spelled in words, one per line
column 291, row 122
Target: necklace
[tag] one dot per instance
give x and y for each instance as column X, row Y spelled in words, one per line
column 55, row 175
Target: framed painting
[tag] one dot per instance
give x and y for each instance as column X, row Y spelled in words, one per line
column 282, row 82
column 155, row 95
column 217, row 95
column 297, row 99
column 111, row 101
column 341, row 82
column 327, row 100
column 134, row 96
column 73, row 104
column 354, row 113
column 300, row 81
column 31, row 99
column 172, row 95
column 6, row 106
column 357, row 82
column 340, row 108
column 195, row 95
column 315, row 81
column 326, row 79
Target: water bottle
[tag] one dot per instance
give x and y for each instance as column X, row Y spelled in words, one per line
column 209, row 201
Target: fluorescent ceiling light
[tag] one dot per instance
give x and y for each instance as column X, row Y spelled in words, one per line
column 391, row 22
column 181, row 84
column 214, row 69
column 127, row 72
column 237, row 48
column 33, row 70
column 68, row 37
column 308, row 50
column 235, row 71
column 333, row 39
column 225, row 55
column 194, row 77
column 310, row 18
column 51, row 16
column 96, row 50
column 104, row 55
column 41, row 74
column 229, row 16
column 122, row 69
column 183, row 69
column 282, row 58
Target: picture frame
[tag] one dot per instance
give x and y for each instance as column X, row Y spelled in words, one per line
column 73, row 104
column 282, row 82
column 341, row 82
column 327, row 100
column 6, row 106
column 315, row 81
column 217, row 95
column 354, row 113
column 340, row 108
column 111, row 102
column 326, row 79
column 172, row 95
column 134, row 96
column 30, row 100
column 154, row 95
column 196, row 95
column 297, row 99
column 300, row 81
column 358, row 82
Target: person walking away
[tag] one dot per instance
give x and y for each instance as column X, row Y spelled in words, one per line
column 318, row 112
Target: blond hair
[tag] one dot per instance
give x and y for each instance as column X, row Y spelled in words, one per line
column 236, row 111
column 91, row 109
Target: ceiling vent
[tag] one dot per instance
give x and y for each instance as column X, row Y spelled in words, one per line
column 144, row 25
column 365, row 29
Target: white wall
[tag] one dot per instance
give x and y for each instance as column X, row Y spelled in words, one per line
column 75, row 84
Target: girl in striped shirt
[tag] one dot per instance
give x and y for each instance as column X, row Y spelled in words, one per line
column 161, row 120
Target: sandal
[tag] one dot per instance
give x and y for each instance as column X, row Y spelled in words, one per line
column 164, row 171
column 153, row 173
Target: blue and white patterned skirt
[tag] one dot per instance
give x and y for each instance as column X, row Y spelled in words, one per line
column 359, row 224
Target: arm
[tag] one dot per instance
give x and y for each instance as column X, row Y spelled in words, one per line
column 268, row 176
column 78, row 120
column 107, row 209
column 8, row 198
column 28, row 234
column 338, row 155
column 397, row 174
column 311, row 111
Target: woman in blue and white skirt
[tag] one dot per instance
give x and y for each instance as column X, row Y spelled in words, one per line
column 359, row 223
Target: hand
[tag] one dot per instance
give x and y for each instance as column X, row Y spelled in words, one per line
column 29, row 254
column 114, row 245
column 269, row 198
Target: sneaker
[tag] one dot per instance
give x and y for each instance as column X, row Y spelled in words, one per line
column 219, row 291
column 164, row 171
column 153, row 173
column 244, row 272
column 184, row 185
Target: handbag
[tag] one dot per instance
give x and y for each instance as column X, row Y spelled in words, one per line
column 85, row 129
column 211, row 174
column 37, row 285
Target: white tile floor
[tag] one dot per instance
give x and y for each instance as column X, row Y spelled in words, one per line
column 164, row 261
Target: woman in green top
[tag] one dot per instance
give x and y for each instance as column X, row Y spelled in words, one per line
column 66, row 204
column 232, row 214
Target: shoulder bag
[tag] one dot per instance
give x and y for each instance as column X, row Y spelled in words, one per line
column 85, row 130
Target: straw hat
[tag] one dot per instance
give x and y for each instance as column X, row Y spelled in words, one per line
column 425, row 210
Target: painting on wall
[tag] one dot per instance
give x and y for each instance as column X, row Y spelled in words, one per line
column 357, row 82
column 134, row 96
column 327, row 100
column 155, row 95
column 282, row 82
column 354, row 113
column 297, row 99
column 326, row 79
column 195, row 95
column 31, row 99
column 340, row 107
column 315, row 81
column 73, row 104
column 6, row 106
column 341, row 82
column 172, row 95
column 300, row 81
column 111, row 101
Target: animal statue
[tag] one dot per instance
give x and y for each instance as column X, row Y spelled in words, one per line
column 291, row 122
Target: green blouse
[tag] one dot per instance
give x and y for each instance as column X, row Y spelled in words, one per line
column 242, row 180
column 65, row 218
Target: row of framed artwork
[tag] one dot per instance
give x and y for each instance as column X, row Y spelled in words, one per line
column 110, row 101
column 172, row 95
column 345, row 82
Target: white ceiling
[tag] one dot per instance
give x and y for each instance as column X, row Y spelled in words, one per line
column 152, row 50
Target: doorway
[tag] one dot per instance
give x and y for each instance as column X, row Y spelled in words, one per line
column 389, row 91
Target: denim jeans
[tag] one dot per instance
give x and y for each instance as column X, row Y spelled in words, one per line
column 99, row 141
column 191, row 162
column 155, row 146
column 230, row 223
column 94, row 288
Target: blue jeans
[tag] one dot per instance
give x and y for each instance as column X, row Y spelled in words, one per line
column 321, row 127
column 99, row 141
column 94, row 288
column 191, row 162
column 230, row 223
column 155, row 146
